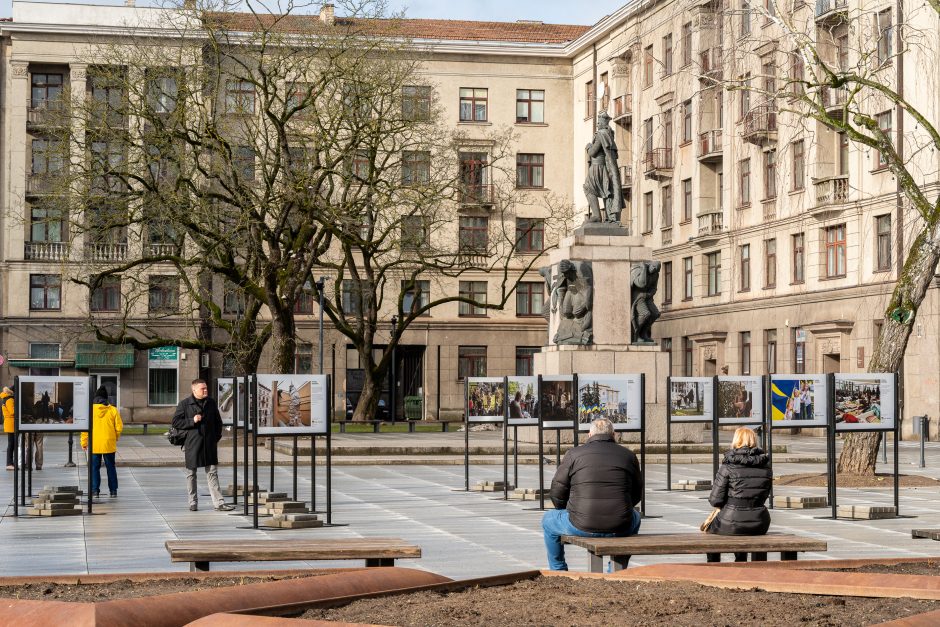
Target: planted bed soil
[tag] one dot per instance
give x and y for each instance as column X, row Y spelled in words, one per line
column 563, row 601
column 820, row 480
column 929, row 567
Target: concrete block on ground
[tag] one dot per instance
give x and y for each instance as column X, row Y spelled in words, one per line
column 297, row 524
column 296, row 517
column 866, row 512
column 930, row 534
column 60, row 488
column 800, row 502
column 75, row 511
column 692, row 485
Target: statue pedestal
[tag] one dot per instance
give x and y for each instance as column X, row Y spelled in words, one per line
column 611, row 257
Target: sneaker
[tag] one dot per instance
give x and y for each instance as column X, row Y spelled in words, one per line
column 193, row 507
column 11, row 467
column 114, row 495
column 224, row 507
column 96, row 494
column 38, row 467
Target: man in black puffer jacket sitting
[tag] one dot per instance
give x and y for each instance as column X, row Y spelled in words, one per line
column 594, row 491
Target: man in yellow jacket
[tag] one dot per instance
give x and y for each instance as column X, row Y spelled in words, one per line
column 107, row 431
column 6, row 404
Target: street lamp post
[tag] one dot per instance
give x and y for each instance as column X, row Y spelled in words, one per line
column 321, row 283
column 393, row 386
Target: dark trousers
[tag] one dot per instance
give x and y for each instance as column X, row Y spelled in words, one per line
column 96, row 472
column 11, row 449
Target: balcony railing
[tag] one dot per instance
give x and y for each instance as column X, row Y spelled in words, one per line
column 832, row 190
column 828, row 8
column 711, row 224
column 39, row 184
column 45, row 251
column 626, row 176
column 667, row 236
column 760, row 124
column 162, row 250
column 45, row 113
column 476, row 194
column 657, row 162
column 709, row 144
column 770, row 211
column 96, row 251
column 623, row 106
column 834, row 97
column 710, row 63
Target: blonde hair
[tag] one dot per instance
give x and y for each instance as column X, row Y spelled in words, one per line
column 744, row 437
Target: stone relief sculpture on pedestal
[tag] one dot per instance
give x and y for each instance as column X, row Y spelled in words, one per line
column 573, row 297
column 602, row 184
column 644, row 278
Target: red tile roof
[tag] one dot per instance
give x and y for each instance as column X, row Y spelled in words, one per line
column 455, row 30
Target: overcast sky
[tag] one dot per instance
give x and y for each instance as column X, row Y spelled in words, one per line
column 551, row 11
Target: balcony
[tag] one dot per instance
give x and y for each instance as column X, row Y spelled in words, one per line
column 476, row 194
column 657, row 163
column 45, row 114
column 828, row 10
column 709, row 146
column 770, row 211
column 760, row 125
column 45, row 251
column 626, row 176
column 623, row 109
column 710, row 69
column 834, row 98
column 162, row 249
column 100, row 251
column 832, row 190
column 44, row 184
column 710, row 227
column 666, row 234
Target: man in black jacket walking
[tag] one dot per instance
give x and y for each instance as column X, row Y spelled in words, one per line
column 594, row 491
column 198, row 416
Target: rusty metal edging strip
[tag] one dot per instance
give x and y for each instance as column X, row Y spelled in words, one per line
column 87, row 578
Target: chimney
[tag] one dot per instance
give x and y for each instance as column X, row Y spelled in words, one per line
column 326, row 14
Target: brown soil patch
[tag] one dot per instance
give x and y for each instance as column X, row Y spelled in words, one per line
column 820, row 480
column 929, row 567
column 125, row 588
column 563, row 601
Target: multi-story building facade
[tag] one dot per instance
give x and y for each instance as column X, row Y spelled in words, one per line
column 780, row 239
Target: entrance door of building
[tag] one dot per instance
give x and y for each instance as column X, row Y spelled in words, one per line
column 410, row 375
column 111, row 381
column 709, row 367
column 831, row 363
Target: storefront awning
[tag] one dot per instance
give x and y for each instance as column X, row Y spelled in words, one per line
column 41, row 363
column 102, row 355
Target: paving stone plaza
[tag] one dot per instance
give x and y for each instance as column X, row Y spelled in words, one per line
column 462, row 535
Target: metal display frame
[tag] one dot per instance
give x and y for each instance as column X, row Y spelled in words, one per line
column 467, row 422
column 713, row 382
column 515, row 423
column 557, row 429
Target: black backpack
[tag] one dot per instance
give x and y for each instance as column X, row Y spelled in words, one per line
column 175, row 436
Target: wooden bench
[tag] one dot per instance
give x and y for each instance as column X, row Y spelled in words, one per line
column 376, row 424
column 375, row 551
column 621, row 549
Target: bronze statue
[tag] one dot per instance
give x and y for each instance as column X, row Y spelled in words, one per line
column 644, row 277
column 573, row 295
column 603, row 176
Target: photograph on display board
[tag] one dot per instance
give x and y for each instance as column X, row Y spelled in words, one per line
column 53, row 403
column 614, row 397
column 798, row 400
column 486, row 399
column 740, row 400
column 523, row 401
column 690, row 399
column 557, row 404
column 291, row 404
column 864, row 402
column 225, row 397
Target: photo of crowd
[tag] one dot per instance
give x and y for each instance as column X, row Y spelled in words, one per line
column 863, row 401
column 614, row 398
column 687, row 400
column 558, row 405
column 523, row 403
column 739, row 400
column 800, row 400
column 486, row 400
column 53, row 403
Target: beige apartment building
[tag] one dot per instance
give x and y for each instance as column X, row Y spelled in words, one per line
column 780, row 240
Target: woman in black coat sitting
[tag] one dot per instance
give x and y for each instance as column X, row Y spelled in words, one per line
column 740, row 490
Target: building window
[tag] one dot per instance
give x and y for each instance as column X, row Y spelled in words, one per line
column 770, row 340
column 415, row 296
column 745, row 252
column 744, row 182
column 471, row 361
column 525, row 360
column 687, row 200
column 713, row 261
column 745, row 18
column 46, row 225
column 105, row 293
column 687, row 121
column 884, row 123
column 473, row 104
column 799, row 351
column 354, row 297
column 883, row 233
column 769, row 70
column 299, row 99
column 687, row 282
column 770, row 174
column 240, row 97
column 835, row 251
column 770, row 263
column 530, row 170
column 529, row 298
column 667, row 55
column 771, row 7
column 648, row 136
column 590, row 100
column 45, row 292
column 667, row 129
column 162, row 93
column 163, row 294
column 475, row 291
column 43, row 350
column 883, row 25
column 47, row 157
column 303, row 358
column 798, row 72
column 799, row 258
column 799, row 165
column 530, row 235
column 473, row 236
column 474, row 178
column 648, row 212
column 304, row 304
column 416, row 103
column 745, row 353
column 415, row 167
column 414, row 232
column 243, row 162
column 530, row 106
column 686, row 43
column 44, row 89
column 667, row 282
column 686, row 357
column 163, row 376
column 648, row 66
column 667, row 206
column 745, row 94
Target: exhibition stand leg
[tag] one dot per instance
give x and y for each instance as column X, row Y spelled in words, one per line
column 642, row 440
column 668, row 433
column 246, row 419
column 294, row 460
column 271, row 446
column 515, row 456
column 329, row 454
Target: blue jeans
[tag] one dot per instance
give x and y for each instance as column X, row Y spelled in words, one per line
column 96, row 472
column 555, row 523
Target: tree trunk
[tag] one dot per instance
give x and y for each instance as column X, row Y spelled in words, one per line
column 366, row 408
column 284, row 343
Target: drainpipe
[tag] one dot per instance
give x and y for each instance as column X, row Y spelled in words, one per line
column 597, row 89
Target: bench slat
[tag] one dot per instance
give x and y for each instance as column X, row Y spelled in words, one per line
column 688, row 543
column 289, row 550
